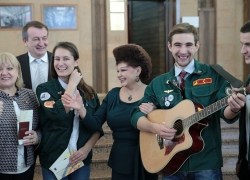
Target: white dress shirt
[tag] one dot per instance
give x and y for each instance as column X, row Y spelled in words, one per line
column 75, row 133
column 33, row 68
column 189, row 69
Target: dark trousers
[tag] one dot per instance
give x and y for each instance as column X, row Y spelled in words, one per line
column 244, row 172
column 27, row 175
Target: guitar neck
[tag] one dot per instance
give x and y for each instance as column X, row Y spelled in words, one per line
column 201, row 114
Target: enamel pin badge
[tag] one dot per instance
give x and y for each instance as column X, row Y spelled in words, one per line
column 44, row 96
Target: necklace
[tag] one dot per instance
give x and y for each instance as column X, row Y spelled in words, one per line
column 130, row 95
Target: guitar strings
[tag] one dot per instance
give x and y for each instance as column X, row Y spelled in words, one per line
column 179, row 125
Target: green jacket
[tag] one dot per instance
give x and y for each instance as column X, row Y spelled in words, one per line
column 56, row 124
column 242, row 134
column 206, row 94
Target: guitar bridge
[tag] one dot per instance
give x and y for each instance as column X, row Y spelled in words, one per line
column 160, row 141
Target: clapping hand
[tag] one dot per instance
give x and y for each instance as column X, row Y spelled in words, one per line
column 72, row 101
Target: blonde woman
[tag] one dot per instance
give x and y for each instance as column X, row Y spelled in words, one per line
column 16, row 160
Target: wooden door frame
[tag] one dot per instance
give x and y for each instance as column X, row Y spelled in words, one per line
column 207, row 34
column 170, row 21
column 99, row 45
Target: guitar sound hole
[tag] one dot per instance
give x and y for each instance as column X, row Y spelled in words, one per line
column 178, row 126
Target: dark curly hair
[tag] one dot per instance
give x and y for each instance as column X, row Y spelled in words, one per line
column 134, row 55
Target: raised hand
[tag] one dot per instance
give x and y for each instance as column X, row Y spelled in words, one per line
column 70, row 101
column 75, row 78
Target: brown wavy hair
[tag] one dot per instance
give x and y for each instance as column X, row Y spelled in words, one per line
column 181, row 29
column 134, row 55
column 88, row 91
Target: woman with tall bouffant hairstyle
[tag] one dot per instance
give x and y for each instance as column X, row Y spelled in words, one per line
column 60, row 124
column 17, row 157
column 133, row 69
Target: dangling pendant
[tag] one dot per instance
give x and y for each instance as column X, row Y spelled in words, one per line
column 130, row 98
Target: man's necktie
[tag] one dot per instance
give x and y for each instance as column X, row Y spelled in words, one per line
column 39, row 76
column 182, row 84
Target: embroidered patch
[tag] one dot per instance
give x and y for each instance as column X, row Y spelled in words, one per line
column 44, row 96
column 60, row 92
column 49, row 104
column 228, row 91
column 168, row 91
column 202, row 81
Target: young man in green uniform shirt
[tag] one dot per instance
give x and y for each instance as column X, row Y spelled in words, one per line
column 243, row 164
column 202, row 85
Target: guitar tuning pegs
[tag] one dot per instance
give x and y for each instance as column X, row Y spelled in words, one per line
column 246, row 90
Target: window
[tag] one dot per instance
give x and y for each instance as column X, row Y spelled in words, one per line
column 117, row 19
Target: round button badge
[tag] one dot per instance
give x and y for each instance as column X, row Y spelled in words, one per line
column 170, row 98
column 167, row 103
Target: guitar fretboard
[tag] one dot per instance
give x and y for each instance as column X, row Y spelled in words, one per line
column 189, row 121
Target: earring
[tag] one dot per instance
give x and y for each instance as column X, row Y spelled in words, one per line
column 137, row 79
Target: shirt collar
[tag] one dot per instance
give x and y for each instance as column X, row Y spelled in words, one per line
column 189, row 69
column 44, row 58
column 63, row 84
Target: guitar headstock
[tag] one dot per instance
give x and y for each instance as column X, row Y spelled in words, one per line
column 245, row 90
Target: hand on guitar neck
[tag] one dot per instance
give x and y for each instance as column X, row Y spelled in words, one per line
column 235, row 102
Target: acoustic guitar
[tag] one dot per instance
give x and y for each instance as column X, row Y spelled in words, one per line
column 166, row 157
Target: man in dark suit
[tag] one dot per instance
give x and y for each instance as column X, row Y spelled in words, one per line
column 243, row 164
column 35, row 38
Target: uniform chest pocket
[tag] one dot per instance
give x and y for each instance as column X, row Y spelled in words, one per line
column 204, row 94
column 168, row 101
column 203, row 91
